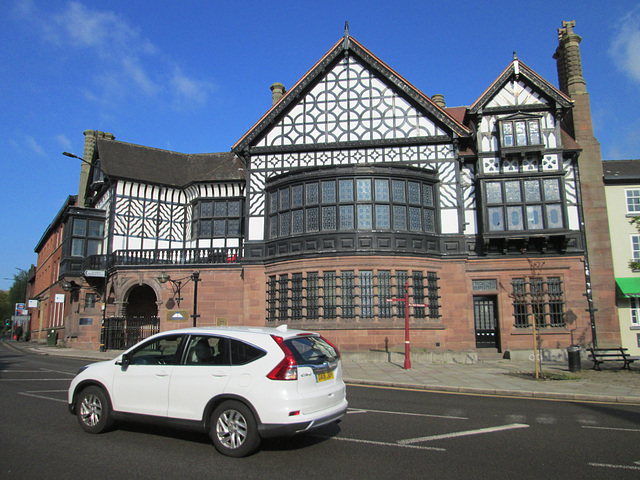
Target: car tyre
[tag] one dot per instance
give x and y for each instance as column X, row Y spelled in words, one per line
column 93, row 410
column 234, row 430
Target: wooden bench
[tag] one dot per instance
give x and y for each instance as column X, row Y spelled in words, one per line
column 601, row 355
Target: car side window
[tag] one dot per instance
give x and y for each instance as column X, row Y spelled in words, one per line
column 208, row 350
column 243, row 353
column 160, row 351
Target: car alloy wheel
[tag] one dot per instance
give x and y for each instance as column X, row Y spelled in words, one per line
column 94, row 410
column 233, row 429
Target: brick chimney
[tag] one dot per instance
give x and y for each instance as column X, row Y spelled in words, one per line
column 277, row 92
column 89, row 155
column 600, row 275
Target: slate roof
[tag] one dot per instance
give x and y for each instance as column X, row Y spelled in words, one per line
column 621, row 171
column 163, row 167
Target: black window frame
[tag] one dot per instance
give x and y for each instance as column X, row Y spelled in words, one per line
column 205, row 225
column 343, row 204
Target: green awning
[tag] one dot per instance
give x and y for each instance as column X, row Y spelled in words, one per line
column 628, row 287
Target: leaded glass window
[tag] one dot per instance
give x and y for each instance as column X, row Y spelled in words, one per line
column 312, row 193
column 346, row 190
column 494, row 192
column 522, row 204
column 346, row 217
column 296, row 196
column 551, row 189
column 221, row 218
column 382, row 190
column 329, row 192
column 358, row 203
column 329, row 218
column 364, row 189
column 398, row 191
column 512, row 192
column 365, row 221
column 383, row 217
column 520, row 132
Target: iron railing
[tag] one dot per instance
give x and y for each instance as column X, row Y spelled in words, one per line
column 121, row 333
column 164, row 256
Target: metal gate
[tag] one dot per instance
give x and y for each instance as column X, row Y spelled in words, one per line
column 121, row 333
column 486, row 322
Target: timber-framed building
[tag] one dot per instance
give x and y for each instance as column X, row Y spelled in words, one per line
column 352, row 190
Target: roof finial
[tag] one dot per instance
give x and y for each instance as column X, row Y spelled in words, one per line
column 515, row 57
column 346, row 36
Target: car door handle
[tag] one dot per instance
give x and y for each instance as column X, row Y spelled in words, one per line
column 219, row 374
column 162, row 374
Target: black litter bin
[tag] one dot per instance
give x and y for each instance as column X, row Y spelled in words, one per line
column 573, row 354
column 52, row 338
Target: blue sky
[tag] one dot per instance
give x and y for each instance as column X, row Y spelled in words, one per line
column 194, row 76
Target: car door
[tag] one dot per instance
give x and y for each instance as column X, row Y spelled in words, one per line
column 204, row 374
column 142, row 385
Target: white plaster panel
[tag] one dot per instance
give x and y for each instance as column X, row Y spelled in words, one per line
column 256, row 228
column 574, row 219
column 471, row 222
column 449, row 220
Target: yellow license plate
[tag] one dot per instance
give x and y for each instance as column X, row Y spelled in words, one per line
column 321, row 377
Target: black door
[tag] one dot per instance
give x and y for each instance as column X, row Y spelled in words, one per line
column 486, row 321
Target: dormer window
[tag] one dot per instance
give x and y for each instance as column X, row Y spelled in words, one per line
column 521, row 132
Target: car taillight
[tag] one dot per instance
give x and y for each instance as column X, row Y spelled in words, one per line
column 287, row 369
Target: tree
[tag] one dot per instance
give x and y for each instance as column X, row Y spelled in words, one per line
column 18, row 291
column 6, row 309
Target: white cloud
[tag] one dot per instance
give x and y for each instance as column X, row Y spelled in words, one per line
column 64, row 141
column 189, row 91
column 34, row 146
column 129, row 63
column 625, row 48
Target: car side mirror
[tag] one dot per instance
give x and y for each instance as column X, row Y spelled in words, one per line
column 124, row 361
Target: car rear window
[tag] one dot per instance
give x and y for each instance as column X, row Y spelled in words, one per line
column 311, row 350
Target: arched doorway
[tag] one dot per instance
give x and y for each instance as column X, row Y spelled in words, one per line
column 142, row 303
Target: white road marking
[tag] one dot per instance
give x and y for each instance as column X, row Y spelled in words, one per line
column 34, row 379
column 30, row 394
column 58, row 371
column 608, row 465
column 385, row 444
column 614, row 429
column 364, row 410
column 462, row 434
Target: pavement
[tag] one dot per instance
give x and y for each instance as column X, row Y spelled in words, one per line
column 496, row 377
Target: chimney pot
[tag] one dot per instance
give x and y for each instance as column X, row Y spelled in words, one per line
column 438, row 99
column 277, row 92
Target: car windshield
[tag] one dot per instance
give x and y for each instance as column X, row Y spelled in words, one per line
column 311, row 350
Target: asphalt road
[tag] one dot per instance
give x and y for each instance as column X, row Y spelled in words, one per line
column 388, row 433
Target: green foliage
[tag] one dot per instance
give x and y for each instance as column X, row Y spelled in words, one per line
column 16, row 294
column 6, row 309
column 635, row 264
column 18, row 291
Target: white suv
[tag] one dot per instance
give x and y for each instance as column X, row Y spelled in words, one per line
column 241, row 384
